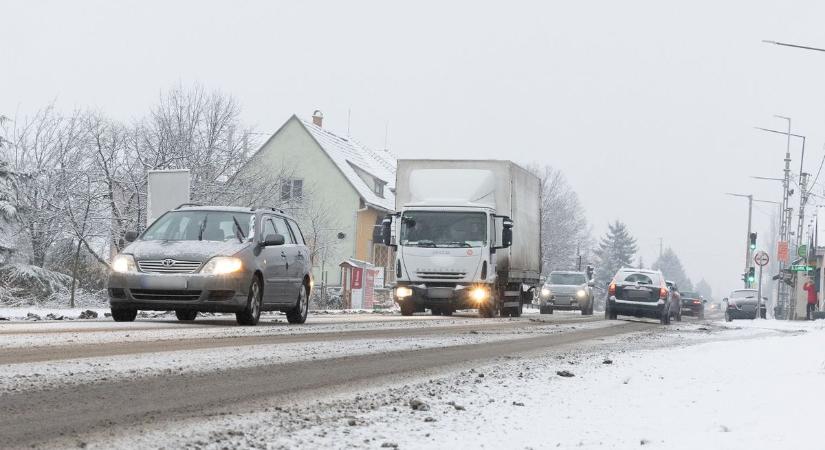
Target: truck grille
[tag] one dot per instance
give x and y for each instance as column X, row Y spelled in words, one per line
column 168, row 266
column 165, row 294
column 439, row 275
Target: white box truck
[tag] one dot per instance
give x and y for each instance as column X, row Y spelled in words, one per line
column 467, row 234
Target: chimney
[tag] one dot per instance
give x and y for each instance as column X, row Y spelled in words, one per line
column 318, row 118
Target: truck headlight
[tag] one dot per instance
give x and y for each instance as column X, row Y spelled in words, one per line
column 479, row 294
column 403, row 292
column 545, row 292
column 124, row 263
column 222, row 265
column 581, row 293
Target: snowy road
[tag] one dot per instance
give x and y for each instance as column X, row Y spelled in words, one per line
column 350, row 381
column 82, row 376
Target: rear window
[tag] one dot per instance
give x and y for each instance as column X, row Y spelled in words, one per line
column 690, row 295
column 744, row 293
column 639, row 277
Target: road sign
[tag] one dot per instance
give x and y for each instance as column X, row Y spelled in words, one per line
column 761, row 258
column 801, row 268
column 782, row 251
column 802, row 251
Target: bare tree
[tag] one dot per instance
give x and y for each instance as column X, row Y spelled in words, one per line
column 564, row 231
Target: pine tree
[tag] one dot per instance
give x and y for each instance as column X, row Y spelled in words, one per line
column 8, row 208
column 671, row 267
column 704, row 289
column 617, row 249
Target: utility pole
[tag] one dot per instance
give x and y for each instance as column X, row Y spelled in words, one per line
column 661, row 247
column 748, row 234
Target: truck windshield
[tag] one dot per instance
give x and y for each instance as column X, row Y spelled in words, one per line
column 567, row 278
column 199, row 226
column 443, row 229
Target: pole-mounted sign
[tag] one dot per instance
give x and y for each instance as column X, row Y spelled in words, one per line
column 761, row 258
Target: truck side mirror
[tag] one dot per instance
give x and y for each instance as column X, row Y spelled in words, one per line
column 386, row 231
column 507, row 233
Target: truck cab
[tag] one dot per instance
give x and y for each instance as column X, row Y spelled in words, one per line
column 454, row 237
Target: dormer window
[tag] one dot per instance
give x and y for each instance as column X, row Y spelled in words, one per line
column 378, row 188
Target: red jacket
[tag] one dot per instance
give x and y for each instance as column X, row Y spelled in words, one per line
column 811, row 288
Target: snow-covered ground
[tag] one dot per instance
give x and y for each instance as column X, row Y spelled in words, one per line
column 745, row 385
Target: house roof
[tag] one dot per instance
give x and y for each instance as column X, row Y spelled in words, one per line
column 350, row 156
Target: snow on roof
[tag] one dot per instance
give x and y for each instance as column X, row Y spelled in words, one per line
column 351, row 156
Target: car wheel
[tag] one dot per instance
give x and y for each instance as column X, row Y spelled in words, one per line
column 407, row 308
column 545, row 310
column 679, row 315
column 701, row 314
column 252, row 313
column 185, row 314
column 435, row 311
column 447, row 311
column 124, row 314
column 665, row 318
column 299, row 314
column 728, row 318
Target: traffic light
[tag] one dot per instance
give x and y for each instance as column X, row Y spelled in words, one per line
column 751, row 274
column 753, row 241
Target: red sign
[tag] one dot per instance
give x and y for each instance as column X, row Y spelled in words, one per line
column 782, row 251
column 369, row 285
column 357, row 277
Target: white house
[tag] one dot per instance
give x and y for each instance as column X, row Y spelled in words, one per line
column 339, row 189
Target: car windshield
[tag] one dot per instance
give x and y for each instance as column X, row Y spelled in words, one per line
column 641, row 278
column 443, row 229
column 744, row 293
column 567, row 278
column 199, row 226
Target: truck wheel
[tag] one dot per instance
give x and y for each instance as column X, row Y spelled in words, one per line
column 516, row 311
column 447, row 311
column 407, row 308
column 545, row 310
column 185, row 315
column 487, row 311
column 435, row 311
column 124, row 314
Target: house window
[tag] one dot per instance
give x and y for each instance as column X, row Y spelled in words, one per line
column 378, row 188
column 292, row 189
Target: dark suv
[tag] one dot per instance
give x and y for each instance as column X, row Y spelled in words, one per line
column 214, row 259
column 640, row 293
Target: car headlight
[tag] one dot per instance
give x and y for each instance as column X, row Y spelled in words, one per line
column 403, row 292
column 124, row 263
column 581, row 293
column 222, row 265
column 479, row 294
column 545, row 292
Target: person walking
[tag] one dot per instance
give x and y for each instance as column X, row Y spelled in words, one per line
column 810, row 288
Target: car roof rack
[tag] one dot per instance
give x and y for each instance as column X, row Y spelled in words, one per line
column 182, row 205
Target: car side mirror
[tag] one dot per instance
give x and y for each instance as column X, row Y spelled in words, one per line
column 130, row 236
column 591, row 283
column 273, row 239
column 704, row 301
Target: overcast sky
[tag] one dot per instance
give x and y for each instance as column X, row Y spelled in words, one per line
column 647, row 106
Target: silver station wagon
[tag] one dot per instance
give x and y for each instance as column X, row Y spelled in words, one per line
column 214, row 259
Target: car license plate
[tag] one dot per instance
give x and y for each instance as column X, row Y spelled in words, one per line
column 163, row 282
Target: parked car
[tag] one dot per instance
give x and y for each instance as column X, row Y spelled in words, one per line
column 566, row 291
column 693, row 304
column 214, row 259
column 640, row 293
column 741, row 304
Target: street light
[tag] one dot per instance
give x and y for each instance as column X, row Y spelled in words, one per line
column 747, row 239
